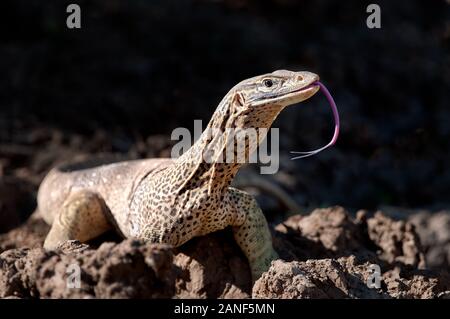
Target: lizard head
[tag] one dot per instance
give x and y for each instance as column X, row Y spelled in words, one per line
column 280, row 88
column 256, row 102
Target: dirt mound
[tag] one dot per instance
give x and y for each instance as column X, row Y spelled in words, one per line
column 433, row 230
column 345, row 277
column 326, row 254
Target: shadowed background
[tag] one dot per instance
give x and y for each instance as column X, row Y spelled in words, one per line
column 136, row 70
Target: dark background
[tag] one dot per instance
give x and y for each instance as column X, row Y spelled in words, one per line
column 138, row 69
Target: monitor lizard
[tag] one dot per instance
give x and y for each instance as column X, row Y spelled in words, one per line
column 170, row 201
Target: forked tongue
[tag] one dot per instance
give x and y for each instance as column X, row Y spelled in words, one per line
column 336, row 125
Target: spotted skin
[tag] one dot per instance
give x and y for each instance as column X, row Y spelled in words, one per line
column 172, row 201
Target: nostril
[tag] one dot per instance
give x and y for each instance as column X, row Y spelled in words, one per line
column 299, row 78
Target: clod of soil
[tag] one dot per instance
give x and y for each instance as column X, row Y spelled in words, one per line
column 433, row 230
column 326, row 254
column 346, row 277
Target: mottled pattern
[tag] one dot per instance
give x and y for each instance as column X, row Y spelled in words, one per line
column 172, row 201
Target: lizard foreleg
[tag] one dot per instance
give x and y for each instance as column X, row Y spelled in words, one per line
column 251, row 232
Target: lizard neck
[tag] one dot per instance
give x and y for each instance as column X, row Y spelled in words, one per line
column 205, row 166
column 210, row 165
column 223, row 147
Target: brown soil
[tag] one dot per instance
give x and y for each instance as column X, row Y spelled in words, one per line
column 326, row 254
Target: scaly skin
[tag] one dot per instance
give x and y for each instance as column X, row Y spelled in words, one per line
column 172, row 201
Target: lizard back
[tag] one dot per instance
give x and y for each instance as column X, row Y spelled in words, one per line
column 114, row 181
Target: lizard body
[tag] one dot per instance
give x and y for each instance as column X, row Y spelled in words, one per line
column 172, row 201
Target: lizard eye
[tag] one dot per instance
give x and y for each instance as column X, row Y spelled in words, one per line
column 268, row 83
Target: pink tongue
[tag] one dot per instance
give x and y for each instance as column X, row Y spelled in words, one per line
column 336, row 125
